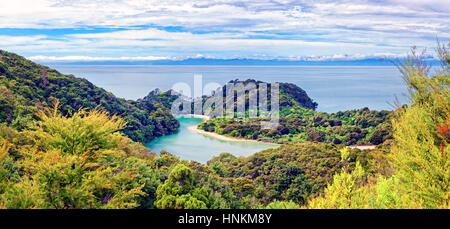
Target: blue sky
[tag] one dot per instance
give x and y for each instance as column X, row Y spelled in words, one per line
column 86, row 30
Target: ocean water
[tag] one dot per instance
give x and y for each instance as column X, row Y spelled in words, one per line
column 334, row 88
column 190, row 145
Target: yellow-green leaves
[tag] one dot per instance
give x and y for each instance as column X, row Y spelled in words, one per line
column 4, row 148
column 179, row 191
column 74, row 162
column 345, row 154
column 344, row 192
column 282, row 205
column 83, row 132
column 419, row 154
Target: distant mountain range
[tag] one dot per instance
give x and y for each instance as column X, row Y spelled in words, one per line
column 247, row 62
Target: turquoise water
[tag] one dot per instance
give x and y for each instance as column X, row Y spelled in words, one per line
column 189, row 145
column 334, row 88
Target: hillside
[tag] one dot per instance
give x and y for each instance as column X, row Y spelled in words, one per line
column 299, row 122
column 291, row 96
column 79, row 161
column 27, row 87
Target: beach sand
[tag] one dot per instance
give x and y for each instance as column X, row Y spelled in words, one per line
column 221, row 137
column 227, row 138
column 204, row 117
column 363, row 147
column 216, row 135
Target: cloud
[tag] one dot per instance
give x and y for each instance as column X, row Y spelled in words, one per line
column 19, row 40
column 226, row 28
column 344, row 57
column 94, row 59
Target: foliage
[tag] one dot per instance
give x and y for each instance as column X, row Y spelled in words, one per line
column 26, row 87
column 66, row 164
column 180, row 192
column 419, row 153
column 282, row 205
column 345, row 191
column 361, row 126
column 293, row 172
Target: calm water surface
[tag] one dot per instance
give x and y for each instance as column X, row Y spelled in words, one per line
column 190, row 145
column 334, row 88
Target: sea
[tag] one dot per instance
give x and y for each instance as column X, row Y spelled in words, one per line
column 334, row 88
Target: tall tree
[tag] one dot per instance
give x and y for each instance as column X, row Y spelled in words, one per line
column 179, row 191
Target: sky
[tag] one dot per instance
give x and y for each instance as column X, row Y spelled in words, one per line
column 145, row 30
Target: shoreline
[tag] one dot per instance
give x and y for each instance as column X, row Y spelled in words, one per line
column 226, row 138
column 233, row 139
column 222, row 137
column 212, row 134
column 204, row 117
column 368, row 147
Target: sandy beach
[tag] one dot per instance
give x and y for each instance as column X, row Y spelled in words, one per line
column 204, row 117
column 363, row 147
column 221, row 137
column 211, row 134
column 216, row 135
column 227, row 138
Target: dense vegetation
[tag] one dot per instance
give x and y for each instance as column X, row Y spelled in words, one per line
column 299, row 122
column 165, row 98
column 291, row 96
column 58, row 159
column 82, row 161
column 361, row 126
column 419, row 156
column 26, row 87
column 293, row 172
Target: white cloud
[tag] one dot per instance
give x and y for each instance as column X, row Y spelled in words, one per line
column 255, row 57
column 93, row 59
column 233, row 27
column 19, row 40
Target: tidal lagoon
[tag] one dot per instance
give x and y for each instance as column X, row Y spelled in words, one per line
column 190, row 145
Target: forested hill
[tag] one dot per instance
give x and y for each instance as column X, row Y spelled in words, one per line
column 165, row 98
column 26, row 87
column 291, row 96
column 299, row 122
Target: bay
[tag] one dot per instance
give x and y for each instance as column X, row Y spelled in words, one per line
column 190, row 145
column 334, row 88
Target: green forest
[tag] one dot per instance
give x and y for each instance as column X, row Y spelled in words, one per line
column 27, row 87
column 67, row 144
column 363, row 127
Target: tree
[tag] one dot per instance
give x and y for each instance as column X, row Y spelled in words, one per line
column 70, row 164
column 179, row 191
column 419, row 154
column 282, row 205
column 344, row 192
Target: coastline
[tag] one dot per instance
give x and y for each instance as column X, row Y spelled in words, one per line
column 227, row 138
column 204, row 117
column 232, row 139
column 369, row 147
column 219, row 136
column 222, row 137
